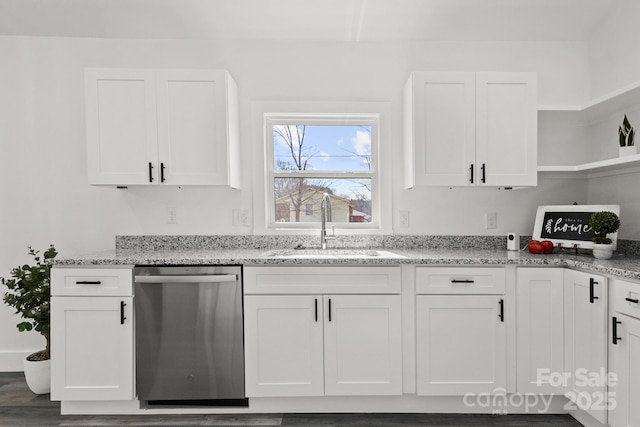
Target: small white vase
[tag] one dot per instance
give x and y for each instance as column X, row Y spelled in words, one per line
column 602, row 251
column 38, row 375
column 628, row 151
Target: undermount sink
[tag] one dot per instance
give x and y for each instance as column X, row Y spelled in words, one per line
column 331, row 253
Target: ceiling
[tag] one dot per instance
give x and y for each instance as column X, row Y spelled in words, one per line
column 308, row 20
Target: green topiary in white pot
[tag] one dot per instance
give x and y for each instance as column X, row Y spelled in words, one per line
column 30, row 294
column 603, row 223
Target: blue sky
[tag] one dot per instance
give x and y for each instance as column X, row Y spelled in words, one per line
column 331, row 147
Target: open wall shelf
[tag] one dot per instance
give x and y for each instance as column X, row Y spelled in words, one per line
column 602, row 166
column 626, row 98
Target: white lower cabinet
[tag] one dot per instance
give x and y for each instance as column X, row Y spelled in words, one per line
column 362, row 345
column 283, row 345
column 539, row 329
column 585, row 330
column 92, row 348
column 314, row 345
column 626, row 354
column 461, row 344
column 625, row 350
column 92, row 333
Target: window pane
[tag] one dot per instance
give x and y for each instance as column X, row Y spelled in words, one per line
column 322, row 147
column 298, row 199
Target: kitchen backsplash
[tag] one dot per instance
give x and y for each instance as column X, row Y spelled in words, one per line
column 309, row 241
column 160, row 242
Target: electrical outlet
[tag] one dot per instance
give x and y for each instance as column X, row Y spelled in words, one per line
column 172, row 215
column 404, row 219
column 240, row 218
column 491, row 220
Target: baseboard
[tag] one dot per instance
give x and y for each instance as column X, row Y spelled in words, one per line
column 11, row 361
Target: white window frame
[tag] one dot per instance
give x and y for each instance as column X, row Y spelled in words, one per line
column 351, row 119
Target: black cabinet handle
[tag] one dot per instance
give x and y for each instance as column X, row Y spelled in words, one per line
column 161, row 172
column 615, row 324
column 462, row 281
column 122, row 318
column 329, row 309
column 316, row 301
column 88, row 282
column 633, row 300
column 501, row 316
column 150, row 172
column 484, row 170
column 592, row 296
column 471, row 169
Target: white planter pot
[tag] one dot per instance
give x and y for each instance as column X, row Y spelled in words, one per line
column 38, row 375
column 628, row 151
column 601, row 251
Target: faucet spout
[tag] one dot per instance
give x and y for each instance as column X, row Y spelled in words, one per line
column 325, row 216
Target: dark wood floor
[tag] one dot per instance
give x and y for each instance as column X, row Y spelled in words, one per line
column 20, row 407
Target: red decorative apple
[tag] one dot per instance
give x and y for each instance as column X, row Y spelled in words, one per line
column 535, row 247
column 548, row 246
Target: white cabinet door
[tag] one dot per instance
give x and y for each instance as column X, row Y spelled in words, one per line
column 363, row 335
column 507, row 129
column 461, row 344
column 539, row 329
column 92, row 348
column 442, row 127
column 171, row 127
column 626, row 353
column 283, row 345
column 192, row 126
column 475, row 129
column 121, row 126
column 585, row 324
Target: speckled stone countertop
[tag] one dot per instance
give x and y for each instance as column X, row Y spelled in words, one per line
column 621, row 266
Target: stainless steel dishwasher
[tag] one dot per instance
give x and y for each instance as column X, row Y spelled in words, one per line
column 189, row 335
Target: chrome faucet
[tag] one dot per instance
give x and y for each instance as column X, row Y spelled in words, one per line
column 325, row 216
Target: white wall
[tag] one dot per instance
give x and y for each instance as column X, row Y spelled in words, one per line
column 614, row 59
column 614, row 63
column 45, row 198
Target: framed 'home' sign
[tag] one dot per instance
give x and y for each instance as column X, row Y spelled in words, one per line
column 569, row 224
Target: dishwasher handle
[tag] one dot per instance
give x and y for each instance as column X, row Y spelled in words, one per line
column 208, row 278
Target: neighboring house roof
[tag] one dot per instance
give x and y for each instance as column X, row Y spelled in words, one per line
column 359, row 213
column 332, row 197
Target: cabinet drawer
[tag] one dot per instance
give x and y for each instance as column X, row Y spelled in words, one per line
column 627, row 298
column 91, row 281
column 322, row 280
column 459, row 280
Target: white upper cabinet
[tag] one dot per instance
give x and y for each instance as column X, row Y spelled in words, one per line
column 162, row 127
column 471, row 129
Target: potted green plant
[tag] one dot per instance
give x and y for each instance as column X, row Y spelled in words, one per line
column 603, row 223
column 29, row 293
column 626, row 135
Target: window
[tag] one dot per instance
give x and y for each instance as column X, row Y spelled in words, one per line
column 313, row 154
column 309, row 209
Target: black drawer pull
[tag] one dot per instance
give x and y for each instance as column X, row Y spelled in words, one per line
column 501, row 316
column 316, row 301
column 329, row 309
column 150, row 172
column 615, row 324
column 592, row 296
column 633, row 300
column 462, row 281
column 161, row 172
column 122, row 318
column 471, row 169
column 88, row 282
column 484, row 174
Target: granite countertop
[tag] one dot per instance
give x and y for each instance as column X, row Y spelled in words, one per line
column 621, row 266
